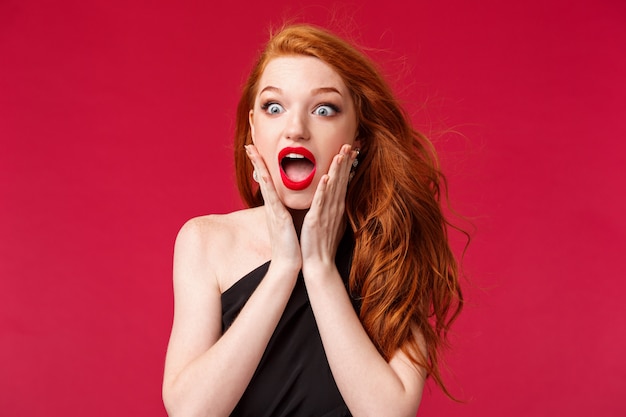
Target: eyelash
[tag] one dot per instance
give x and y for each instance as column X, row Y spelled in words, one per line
column 336, row 109
column 332, row 106
column 265, row 106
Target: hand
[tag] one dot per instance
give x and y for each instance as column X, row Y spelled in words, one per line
column 282, row 233
column 324, row 224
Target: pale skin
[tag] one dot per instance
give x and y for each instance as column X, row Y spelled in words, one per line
column 206, row 372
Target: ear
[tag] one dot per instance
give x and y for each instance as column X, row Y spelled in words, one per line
column 251, row 122
column 357, row 143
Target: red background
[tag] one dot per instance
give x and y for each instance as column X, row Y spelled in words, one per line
column 116, row 121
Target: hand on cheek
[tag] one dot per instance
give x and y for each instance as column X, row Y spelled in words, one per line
column 324, row 223
column 282, row 234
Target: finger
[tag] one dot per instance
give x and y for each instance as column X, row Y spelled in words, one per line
column 350, row 157
column 257, row 162
column 343, row 161
column 339, row 172
column 320, row 191
column 265, row 180
column 348, row 166
column 328, row 203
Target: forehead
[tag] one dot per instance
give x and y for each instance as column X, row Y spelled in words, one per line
column 300, row 72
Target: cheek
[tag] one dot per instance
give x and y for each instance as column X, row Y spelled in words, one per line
column 261, row 138
column 266, row 146
column 344, row 135
column 266, row 153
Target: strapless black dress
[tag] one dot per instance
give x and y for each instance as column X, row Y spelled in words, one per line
column 293, row 377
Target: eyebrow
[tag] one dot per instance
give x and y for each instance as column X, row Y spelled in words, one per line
column 323, row 90
column 270, row 88
column 315, row 91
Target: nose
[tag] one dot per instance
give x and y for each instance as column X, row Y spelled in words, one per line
column 296, row 127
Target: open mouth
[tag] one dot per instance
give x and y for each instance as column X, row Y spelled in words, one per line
column 297, row 167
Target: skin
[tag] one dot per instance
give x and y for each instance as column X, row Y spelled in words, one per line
column 308, row 106
column 207, row 372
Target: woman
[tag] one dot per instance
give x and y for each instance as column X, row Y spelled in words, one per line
column 357, row 286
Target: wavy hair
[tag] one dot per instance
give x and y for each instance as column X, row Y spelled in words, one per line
column 403, row 270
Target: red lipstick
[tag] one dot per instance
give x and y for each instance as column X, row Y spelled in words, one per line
column 296, row 153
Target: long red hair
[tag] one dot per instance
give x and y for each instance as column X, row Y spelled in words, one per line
column 403, row 269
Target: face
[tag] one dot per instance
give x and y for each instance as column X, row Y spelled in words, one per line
column 303, row 113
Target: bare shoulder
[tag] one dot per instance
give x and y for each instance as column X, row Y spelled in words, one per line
column 226, row 246
column 205, row 256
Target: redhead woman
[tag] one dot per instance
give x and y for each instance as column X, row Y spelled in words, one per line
column 332, row 294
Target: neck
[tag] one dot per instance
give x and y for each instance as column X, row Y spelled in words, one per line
column 298, row 219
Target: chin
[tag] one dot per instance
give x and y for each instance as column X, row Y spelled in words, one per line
column 299, row 201
column 298, row 205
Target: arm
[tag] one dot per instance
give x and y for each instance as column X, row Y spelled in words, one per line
column 369, row 384
column 206, row 372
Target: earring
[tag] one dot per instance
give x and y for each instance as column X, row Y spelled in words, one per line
column 354, row 165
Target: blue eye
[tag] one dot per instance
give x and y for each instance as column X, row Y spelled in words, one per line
column 326, row 110
column 273, row 108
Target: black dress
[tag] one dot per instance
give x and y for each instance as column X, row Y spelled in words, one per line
column 293, row 377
